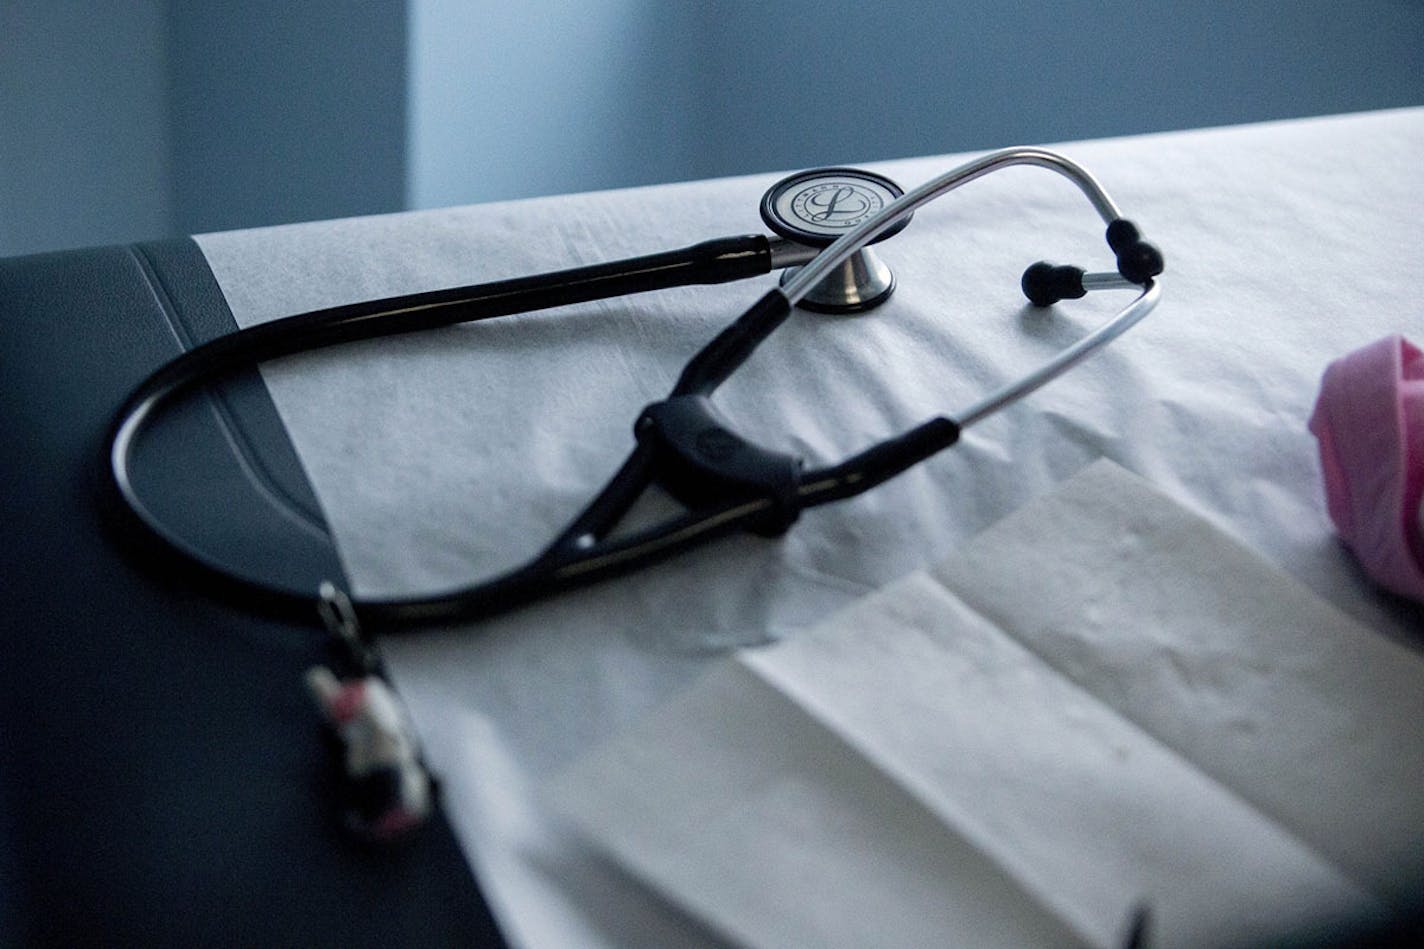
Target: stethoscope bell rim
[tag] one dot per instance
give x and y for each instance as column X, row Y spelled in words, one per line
column 814, row 208
column 862, row 283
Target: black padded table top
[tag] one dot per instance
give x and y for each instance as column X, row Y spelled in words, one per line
column 162, row 775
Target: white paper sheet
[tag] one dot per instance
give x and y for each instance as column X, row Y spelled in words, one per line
column 1033, row 782
column 443, row 455
column 1309, row 716
column 756, row 816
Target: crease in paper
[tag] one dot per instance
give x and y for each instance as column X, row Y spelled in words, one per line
column 1086, row 810
column 1235, row 666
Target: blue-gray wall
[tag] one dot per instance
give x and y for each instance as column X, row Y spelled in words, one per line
column 83, row 123
column 852, row 81
column 286, row 110
column 123, row 120
column 546, row 96
column 127, row 119
column 533, row 98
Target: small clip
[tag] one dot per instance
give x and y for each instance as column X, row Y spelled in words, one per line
column 339, row 617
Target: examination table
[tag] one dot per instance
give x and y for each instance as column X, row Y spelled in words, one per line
column 162, row 775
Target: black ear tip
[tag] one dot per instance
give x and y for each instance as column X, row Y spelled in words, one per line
column 1137, row 260
column 1045, row 284
column 1035, row 284
column 1140, row 262
column 1122, row 233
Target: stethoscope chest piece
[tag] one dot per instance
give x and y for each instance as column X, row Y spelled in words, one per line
column 816, row 207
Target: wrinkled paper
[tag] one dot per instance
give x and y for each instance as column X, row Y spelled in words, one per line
column 1101, row 703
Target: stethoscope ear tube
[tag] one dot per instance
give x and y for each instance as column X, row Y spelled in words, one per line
column 715, row 261
column 683, row 443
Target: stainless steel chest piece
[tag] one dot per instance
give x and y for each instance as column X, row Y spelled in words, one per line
column 816, row 207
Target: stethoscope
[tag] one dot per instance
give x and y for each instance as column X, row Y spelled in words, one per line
column 824, row 222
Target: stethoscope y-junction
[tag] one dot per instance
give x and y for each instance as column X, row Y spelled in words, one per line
column 824, row 223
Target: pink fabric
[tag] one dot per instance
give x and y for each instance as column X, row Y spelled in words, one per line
column 1369, row 420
